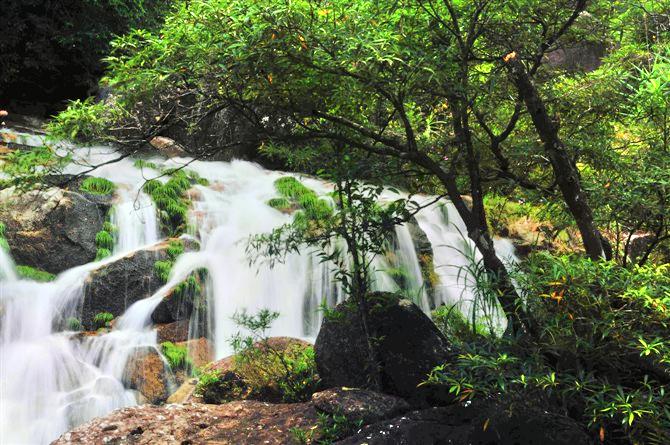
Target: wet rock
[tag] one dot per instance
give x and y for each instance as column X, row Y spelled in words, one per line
column 480, row 423
column 200, row 351
column 246, row 422
column 174, row 332
column 168, row 147
column 410, row 347
column 185, row 392
column 51, row 229
column 359, row 404
column 174, row 307
column 115, row 286
column 147, row 372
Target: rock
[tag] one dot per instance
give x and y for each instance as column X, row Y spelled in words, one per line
column 359, row 404
column 240, row 422
column 480, row 423
column 174, row 307
column 51, row 229
column 115, row 286
column 410, row 347
column 200, row 351
column 147, row 372
column 174, row 332
column 168, row 147
column 185, row 392
column 245, row 422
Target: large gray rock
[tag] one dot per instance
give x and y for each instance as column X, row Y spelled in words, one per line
column 480, row 423
column 51, row 229
column 409, row 347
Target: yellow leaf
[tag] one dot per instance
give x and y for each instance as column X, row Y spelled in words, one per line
column 486, row 425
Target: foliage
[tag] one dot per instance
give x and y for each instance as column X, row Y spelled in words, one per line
column 54, row 50
column 104, row 241
column 102, row 320
column 602, row 354
column 82, row 121
column 270, row 371
column 73, row 324
column 295, row 195
column 176, row 356
column 171, row 198
column 28, row 168
column 97, row 186
column 31, row 273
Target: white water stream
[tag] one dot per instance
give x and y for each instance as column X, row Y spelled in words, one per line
column 52, row 379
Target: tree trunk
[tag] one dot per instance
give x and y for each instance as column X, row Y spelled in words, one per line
column 565, row 171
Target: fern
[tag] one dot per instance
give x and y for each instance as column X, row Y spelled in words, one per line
column 97, row 186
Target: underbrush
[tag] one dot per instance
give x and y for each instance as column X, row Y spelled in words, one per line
column 262, row 368
column 602, row 355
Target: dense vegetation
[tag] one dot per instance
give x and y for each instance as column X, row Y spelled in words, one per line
column 553, row 117
column 52, row 51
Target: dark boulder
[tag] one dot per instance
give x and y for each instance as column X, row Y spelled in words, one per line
column 409, row 347
column 147, row 372
column 51, row 229
column 479, row 423
column 115, row 286
column 359, row 404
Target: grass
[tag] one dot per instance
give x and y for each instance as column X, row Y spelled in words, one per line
column 104, row 241
column 171, row 200
column 33, row 274
column 176, row 356
column 73, row 324
column 97, row 186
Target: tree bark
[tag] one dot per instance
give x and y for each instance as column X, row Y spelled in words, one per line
column 565, row 171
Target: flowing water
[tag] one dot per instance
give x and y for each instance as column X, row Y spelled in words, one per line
column 52, row 379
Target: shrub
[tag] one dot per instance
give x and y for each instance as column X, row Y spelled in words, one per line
column 601, row 356
column 31, row 273
column 176, row 356
column 215, row 387
column 102, row 320
column 285, row 373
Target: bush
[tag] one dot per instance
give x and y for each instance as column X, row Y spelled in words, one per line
column 602, row 355
column 102, row 320
column 284, row 372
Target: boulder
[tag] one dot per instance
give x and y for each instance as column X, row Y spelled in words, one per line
column 173, row 307
column 116, row 285
column 167, row 147
column 174, row 332
column 51, row 229
column 200, row 351
column 409, row 347
column 479, row 423
column 359, row 404
column 148, row 373
column 244, row 422
column 240, row 422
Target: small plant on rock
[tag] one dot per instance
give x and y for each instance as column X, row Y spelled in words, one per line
column 176, row 356
column 97, row 186
column 102, row 320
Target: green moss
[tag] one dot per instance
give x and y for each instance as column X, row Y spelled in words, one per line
column 162, row 269
column 294, row 194
column 3, row 228
column 141, row 164
column 102, row 253
column 73, row 324
column 282, row 204
column 102, row 320
column 31, row 273
column 104, row 240
column 171, row 200
column 97, row 186
column 176, row 356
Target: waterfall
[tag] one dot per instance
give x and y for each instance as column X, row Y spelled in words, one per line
column 52, row 379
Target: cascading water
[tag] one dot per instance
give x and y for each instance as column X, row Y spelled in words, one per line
column 53, row 379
